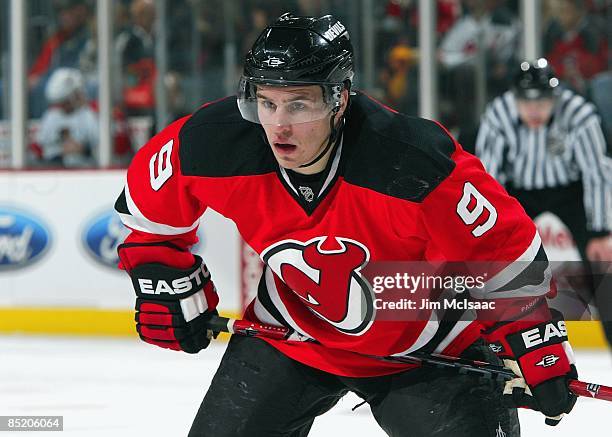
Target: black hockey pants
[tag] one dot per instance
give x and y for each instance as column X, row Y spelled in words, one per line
column 259, row 392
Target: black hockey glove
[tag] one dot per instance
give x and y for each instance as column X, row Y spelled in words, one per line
column 551, row 397
column 173, row 305
column 542, row 359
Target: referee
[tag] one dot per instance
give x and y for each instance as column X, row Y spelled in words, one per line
column 545, row 144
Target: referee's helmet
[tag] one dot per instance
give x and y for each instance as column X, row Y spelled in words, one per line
column 535, row 80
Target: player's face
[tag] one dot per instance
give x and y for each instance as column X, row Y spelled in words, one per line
column 296, row 121
column 535, row 113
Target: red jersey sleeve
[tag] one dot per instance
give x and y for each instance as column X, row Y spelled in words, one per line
column 470, row 218
column 156, row 202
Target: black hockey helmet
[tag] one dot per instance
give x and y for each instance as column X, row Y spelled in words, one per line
column 535, row 80
column 296, row 51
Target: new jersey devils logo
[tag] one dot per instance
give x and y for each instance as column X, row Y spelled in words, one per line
column 327, row 281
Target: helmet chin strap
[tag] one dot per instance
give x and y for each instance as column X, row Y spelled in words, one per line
column 333, row 136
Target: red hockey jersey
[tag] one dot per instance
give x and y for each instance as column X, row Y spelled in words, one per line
column 398, row 188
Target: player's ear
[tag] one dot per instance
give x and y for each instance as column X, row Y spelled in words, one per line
column 344, row 96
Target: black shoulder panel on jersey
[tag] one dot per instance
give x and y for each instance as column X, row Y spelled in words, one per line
column 394, row 154
column 216, row 142
column 121, row 204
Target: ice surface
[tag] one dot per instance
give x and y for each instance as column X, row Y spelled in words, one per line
column 126, row 388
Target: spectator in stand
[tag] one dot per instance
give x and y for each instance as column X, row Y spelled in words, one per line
column 68, row 132
column 399, row 79
column 488, row 26
column 396, row 41
column 575, row 44
column 395, row 28
column 135, row 49
column 88, row 68
column 447, row 13
column 211, row 29
column 310, row 7
column 62, row 49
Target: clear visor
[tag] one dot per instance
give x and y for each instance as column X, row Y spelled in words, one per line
column 287, row 103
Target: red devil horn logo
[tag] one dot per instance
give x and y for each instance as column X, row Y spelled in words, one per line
column 328, row 281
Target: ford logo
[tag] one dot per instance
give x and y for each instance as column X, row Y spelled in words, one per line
column 24, row 238
column 101, row 237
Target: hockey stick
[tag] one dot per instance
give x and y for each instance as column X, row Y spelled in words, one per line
column 481, row 368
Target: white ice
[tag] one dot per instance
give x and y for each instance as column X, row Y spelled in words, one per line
column 126, row 388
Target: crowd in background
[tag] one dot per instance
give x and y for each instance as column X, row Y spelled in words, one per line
column 479, row 43
column 482, row 39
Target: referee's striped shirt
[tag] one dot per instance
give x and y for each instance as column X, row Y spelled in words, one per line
column 569, row 148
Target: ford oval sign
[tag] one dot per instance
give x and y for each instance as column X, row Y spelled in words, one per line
column 24, row 238
column 101, row 237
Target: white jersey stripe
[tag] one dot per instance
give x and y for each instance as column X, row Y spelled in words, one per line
column 334, row 168
column 137, row 221
column 540, row 158
column 513, row 269
column 278, row 302
column 428, row 332
column 459, row 327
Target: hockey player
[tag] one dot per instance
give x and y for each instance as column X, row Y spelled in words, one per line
column 320, row 181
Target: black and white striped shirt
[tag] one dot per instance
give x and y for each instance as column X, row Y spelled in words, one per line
column 569, row 148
